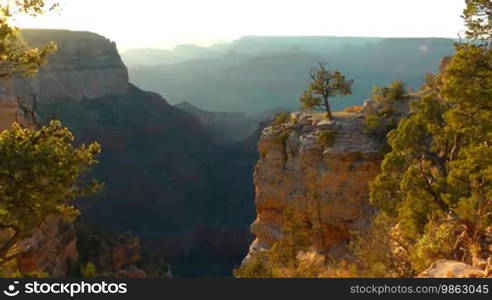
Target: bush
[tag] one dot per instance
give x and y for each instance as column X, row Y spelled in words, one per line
column 397, row 90
column 257, row 267
column 431, row 82
column 373, row 124
column 386, row 96
column 326, row 138
column 376, row 252
column 280, row 120
column 378, row 126
column 438, row 242
column 89, row 271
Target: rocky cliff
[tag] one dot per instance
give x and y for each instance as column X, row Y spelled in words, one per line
column 49, row 248
column 46, row 250
column 9, row 112
column 188, row 198
column 86, row 65
column 117, row 255
column 325, row 182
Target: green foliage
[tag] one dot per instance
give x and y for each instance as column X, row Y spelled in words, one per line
column 386, row 96
column 375, row 251
column 373, row 125
column 41, row 171
column 377, row 127
column 281, row 120
column 89, row 271
column 295, row 239
column 257, row 267
column 324, row 85
column 280, row 123
column 281, row 260
column 16, row 57
column 478, row 19
column 436, row 183
column 431, row 83
column 397, row 90
column 436, row 243
column 326, row 138
column 36, row 274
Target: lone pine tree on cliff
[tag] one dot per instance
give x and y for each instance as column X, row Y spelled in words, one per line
column 324, row 85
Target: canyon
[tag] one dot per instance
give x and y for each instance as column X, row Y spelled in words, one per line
column 257, row 73
column 160, row 164
column 201, row 190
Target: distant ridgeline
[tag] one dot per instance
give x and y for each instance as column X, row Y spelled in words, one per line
column 189, row 198
column 254, row 74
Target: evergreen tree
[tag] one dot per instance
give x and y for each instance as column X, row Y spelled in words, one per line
column 439, row 171
column 478, row 19
column 295, row 239
column 17, row 59
column 324, row 85
column 41, row 171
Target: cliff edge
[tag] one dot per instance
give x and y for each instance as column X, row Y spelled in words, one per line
column 86, row 66
column 320, row 170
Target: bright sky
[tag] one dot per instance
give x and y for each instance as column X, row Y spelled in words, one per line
column 166, row 23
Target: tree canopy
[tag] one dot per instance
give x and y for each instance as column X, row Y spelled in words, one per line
column 478, row 19
column 324, row 85
column 438, row 176
column 41, row 171
column 17, row 59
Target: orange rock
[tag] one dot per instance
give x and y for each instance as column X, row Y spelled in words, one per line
column 289, row 171
column 49, row 248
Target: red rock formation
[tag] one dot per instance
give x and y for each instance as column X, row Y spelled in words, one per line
column 49, row 248
column 8, row 114
column 123, row 252
column 86, row 65
column 295, row 167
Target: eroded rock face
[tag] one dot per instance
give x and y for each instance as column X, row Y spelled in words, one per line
column 8, row 114
column 49, row 248
column 295, row 170
column 86, row 65
column 125, row 251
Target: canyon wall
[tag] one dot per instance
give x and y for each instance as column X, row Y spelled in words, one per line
column 325, row 185
column 49, row 248
column 167, row 179
column 86, row 66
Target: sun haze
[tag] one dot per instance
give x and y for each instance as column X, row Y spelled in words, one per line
column 164, row 24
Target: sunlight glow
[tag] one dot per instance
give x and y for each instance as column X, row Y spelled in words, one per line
column 163, row 24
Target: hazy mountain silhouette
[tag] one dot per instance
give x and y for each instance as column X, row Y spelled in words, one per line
column 255, row 74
